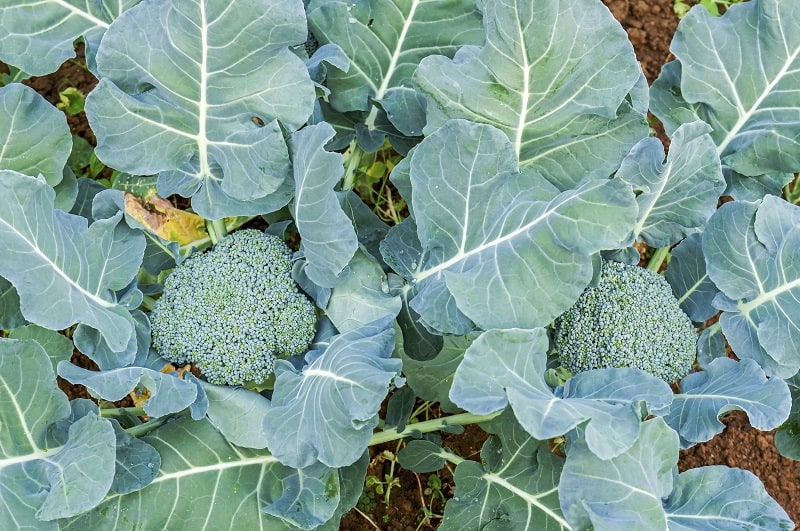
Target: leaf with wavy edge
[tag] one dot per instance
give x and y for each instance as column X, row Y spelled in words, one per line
column 506, row 367
column 385, row 41
column 196, row 458
column 39, row 483
column 65, row 271
column 44, row 32
column 329, row 239
column 34, row 135
column 563, row 109
column 751, row 255
column 726, row 385
column 505, row 247
column 189, row 92
column 740, row 73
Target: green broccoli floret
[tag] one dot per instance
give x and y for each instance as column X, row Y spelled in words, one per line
column 631, row 319
column 233, row 310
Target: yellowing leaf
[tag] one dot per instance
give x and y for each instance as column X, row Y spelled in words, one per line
column 158, row 215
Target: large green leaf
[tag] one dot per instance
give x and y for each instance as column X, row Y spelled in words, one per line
column 385, row 41
column 65, row 271
column 502, row 247
column 34, row 135
column 515, row 487
column 329, row 239
column 741, row 74
column 751, row 255
column 205, row 482
column 44, row 31
column 676, row 196
column 189, row 92
column 38, row 483
column 563, row 109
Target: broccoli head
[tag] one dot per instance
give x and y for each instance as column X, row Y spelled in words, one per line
column 631, row 319
column 233, row 310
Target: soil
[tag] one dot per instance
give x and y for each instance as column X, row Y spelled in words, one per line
column 416, row 502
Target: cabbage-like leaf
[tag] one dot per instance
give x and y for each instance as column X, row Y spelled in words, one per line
column 39, row 483
column 196, row 458
column 57, row 346
column 34, row 134
column 563, row 109
column 329, row 239
column 431, row 378
column 718, row 497
column 689, row 280
column 726, row 385
column 385, row 41
column 751, row 255
column 507, row 367
column 676, row 196
column 514, row 487
column 238, row 414
column 326, row 411
column 202, row 100
column 363, row 297
column 64, row 271
column 640, row 490
column 168, row 393
column 502, row 247
column 44, row 32
column 741, row 74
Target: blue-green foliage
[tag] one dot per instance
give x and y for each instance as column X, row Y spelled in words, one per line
column 631, row 319
column 233, row 309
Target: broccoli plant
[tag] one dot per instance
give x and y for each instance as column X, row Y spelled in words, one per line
column 630, row 319
column 523, row 154
column 235, row 327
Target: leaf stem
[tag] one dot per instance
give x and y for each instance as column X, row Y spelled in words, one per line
column 114, row 412
column 428, row 426
column 146, row 427
column 658, row 258
column 216, row 229
column 352, row 160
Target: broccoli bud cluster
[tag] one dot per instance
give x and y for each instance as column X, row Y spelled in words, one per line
column 631, row 319
column 233, row 310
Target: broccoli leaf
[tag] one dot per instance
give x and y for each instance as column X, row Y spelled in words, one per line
column 363, row 297
column 507, row 367
column 398, row 34
column 514, row 487
column 726, row 385
column 751, row 255
column 718, row 497
column 329, row 239
column 38, row 481
column 40, row 43
column 689, row 280
column 503, row 247
column 326, row 411
column 64, row 271
column 195, row 456
column 238, row 414
column 202, row 102
column 25, row 115
column 168, row 393
column 563, row 109
column 677, row 196
column 747, row 93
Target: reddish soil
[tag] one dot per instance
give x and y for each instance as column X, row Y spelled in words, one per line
column 650, row 25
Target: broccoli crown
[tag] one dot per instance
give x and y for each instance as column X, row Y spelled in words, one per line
column 233, row 309
column 631, row 319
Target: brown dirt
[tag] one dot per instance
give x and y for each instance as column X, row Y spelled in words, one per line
column 650, row 25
